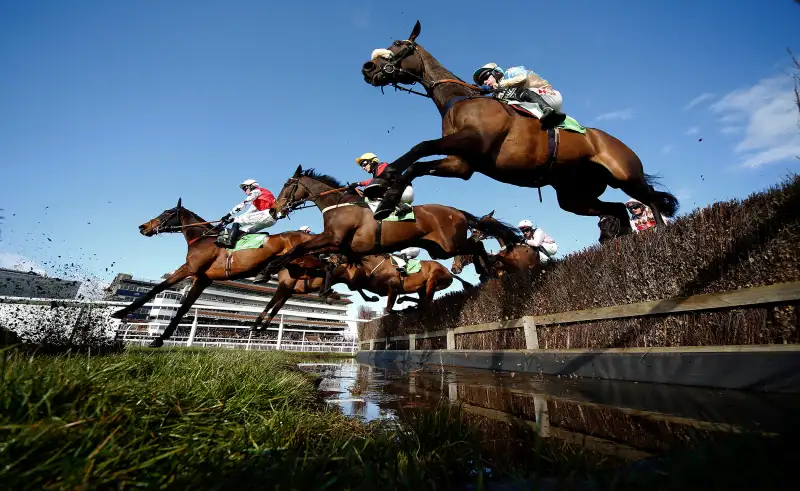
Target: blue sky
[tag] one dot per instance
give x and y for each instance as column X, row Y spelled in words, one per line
column 113, row 110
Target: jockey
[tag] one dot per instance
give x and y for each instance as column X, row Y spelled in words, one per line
column 305, row 228
column 641, row 215
column 401, row 257
column 256, row 218
column 525, row 86
column 539, row 240
column 372, row 164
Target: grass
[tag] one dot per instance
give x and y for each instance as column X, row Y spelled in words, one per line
column 204, row 419
column 230, row 419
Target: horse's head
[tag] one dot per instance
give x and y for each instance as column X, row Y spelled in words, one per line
column 609, row 227
column 304, row 185
column 461, row 262
column 167, row 221
column 400, row 63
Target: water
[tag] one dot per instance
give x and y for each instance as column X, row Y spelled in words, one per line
column 624, row 420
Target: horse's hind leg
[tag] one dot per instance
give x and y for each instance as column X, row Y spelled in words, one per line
column 584, row 200
column 625, row 172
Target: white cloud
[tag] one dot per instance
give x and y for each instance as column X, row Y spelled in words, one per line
column 667, row 149
column 19, row 263
column 698, row 100
column 616, row 115
column 693, row 131
column 766, row 116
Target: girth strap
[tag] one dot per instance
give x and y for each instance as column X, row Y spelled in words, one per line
column 378, row 234
column 553, row 139
column 228, row 263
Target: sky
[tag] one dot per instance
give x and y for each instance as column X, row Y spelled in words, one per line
column 111, row 111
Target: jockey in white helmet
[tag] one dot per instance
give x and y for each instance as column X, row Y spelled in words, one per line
column 256, row 218
column 539, row 240
column 523, row 85
column 372, row 164
column 304, row 228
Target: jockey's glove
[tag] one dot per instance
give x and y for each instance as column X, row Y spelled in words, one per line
column 226, row 218
column 352, row 186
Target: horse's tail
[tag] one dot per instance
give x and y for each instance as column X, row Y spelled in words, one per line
column 665, row 202
column 493, row 228
column 465, row 284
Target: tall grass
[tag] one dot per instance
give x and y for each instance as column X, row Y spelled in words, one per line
column 201, row 419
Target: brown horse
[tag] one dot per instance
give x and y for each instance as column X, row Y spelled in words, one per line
column 514, row 256
column 374, row 273
column 205, row 262
column 349, row 226
column 481, row 134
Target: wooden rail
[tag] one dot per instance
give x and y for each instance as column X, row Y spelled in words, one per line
column 745, row 297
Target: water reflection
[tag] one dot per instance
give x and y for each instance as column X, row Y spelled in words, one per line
column 623, row 420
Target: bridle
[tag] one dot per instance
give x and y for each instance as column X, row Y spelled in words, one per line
column 162, row 228
column 392, row 66
column 293, row 204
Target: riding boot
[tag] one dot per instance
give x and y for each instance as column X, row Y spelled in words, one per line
column 227, row 238
column 264, row 276
column 550, row 117
column 388, row 204
column 403, row 208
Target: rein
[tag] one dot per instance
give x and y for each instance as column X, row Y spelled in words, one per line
column 391, row 67
column 293, row 204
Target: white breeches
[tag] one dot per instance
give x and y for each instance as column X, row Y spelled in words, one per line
column 254, row 221
column 407, row 197
column 550, row 249
column 410, row 252
column 552, row 97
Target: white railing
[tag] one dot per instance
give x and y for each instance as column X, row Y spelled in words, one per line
column 144, row 332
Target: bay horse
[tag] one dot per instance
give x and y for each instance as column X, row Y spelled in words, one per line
column 349, row 226
column 482, row 134
column 205, row 261
column 374, row 273
column 514, row 256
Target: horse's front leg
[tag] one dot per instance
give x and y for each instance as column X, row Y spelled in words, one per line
column 201, row 282
column 322, row 243
column 464, row 144
column 179, row 275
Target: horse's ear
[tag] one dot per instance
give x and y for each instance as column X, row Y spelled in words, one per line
column 415, row 32
column 179, row 203
column 298, row 170
column 491, row 214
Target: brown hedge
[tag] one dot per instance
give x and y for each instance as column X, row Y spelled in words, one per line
column 725, row 246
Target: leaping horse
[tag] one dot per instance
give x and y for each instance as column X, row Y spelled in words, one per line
column 482, row 134
column 514, row 255
column 374, row 273
column 205, row 261
column 349, row 226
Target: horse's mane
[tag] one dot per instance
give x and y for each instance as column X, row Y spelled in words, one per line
column 323, row 178
column 185, row 210
column 509, row 233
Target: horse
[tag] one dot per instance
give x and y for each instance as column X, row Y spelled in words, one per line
column 609, row 227
column 374, row 273
column 514, row 256
column 482, row 134
column 205, row 261
column 349, row 226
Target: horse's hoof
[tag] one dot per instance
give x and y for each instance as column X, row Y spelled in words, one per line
column 157, row 343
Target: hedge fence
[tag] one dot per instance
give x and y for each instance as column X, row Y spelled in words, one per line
column 725, row 246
